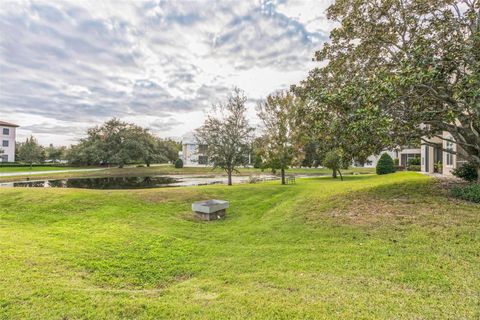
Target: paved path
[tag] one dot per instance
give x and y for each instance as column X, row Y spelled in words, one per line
column 28, row 173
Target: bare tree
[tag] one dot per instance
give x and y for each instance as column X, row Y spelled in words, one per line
column 227, row 134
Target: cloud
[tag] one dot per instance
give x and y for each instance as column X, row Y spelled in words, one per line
column 69, row 64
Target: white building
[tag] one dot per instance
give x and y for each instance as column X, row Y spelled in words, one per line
column 436, row 160
column 192, row 153
column 7, row 141
column 403, row 156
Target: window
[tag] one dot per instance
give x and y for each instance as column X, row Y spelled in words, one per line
column 202, row 148
column 6, row 131
column 5, row 143
column 4, row 158
column 449, row 146
column 202, row 160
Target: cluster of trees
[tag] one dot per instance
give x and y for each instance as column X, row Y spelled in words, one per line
column 393, row 73
column 32, row 152
column 118, row 143
column 113, row 143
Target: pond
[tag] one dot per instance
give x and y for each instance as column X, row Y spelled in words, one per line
column 141, row 182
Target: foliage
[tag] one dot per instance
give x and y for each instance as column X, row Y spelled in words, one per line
column 256, row 157
column 414, row 161
column 278, row 140
column 310, row 155
column 385, row 164
column 227, row 134
column 117, row 142
column 412, row 67
column 55, row 153
column 30, row 151
column 414, row 167
column 467, row 171
column 335, row 161
column 469, row 192
column 178, row 163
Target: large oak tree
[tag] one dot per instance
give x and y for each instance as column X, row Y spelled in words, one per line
column 411, row 63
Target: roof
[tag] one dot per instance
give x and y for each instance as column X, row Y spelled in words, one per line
column 8, row 124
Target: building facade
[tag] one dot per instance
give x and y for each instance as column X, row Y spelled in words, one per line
column 403, row 156
column 436, row 160
column 7, row 141
column 192, row 153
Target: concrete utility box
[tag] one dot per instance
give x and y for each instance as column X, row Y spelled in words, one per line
column 210, row 209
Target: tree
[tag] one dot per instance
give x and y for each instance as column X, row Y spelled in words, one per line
column 227, row 134
column 310, row 157
column 335, row 161
column 327, row 120
column 169, row 149
column 55, row 153
column 418, row 62
column 30, row 151
column 385, row 164
column 278, row 147
column 117, row 142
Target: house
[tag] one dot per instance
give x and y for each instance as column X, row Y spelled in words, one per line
column 403, row 156
column 434, row 157
column 192, row 153
column 7, row 141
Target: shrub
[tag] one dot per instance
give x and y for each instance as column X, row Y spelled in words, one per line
column 179, row 163
column 414, row 161
column 414, row 167
column 467, row 172
column 469, row 192
column 396, row 161
column 385, row 164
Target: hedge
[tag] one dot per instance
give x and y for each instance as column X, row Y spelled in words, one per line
column 469, row 192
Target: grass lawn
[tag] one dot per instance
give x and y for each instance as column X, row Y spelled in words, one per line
column 34, row 169
column 159, row 170
column 371, row 247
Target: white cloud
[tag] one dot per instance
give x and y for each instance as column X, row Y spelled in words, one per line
column 66, row 64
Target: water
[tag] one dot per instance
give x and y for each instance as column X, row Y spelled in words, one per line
column 141, row 182
column 98, row 183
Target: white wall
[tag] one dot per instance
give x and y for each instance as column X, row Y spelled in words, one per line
column 10, row 150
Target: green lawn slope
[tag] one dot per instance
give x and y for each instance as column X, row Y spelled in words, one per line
column 371, row 247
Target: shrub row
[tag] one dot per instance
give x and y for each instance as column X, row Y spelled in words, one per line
column 469, row 192
column 414, row 167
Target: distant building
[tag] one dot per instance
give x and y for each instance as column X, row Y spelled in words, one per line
column 192, row 153
column 403, row 156
column 7, row 141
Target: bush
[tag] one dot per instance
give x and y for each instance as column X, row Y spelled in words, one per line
column 467, row 172
column 179, row 163
column 469, row 192
column 385, row 164
column 414, row 167
column 414, row 161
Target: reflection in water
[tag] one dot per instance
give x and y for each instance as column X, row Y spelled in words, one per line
column 101, row 183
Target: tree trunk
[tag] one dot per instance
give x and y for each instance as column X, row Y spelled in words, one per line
column 341, row 177
column 334, row 174
column 229, row 173
column 283, row 175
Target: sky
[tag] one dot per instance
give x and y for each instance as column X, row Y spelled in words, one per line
column 66, row 66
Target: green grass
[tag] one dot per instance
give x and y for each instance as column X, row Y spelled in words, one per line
column 34, row 169
column 164, row 169
column 371, row 247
